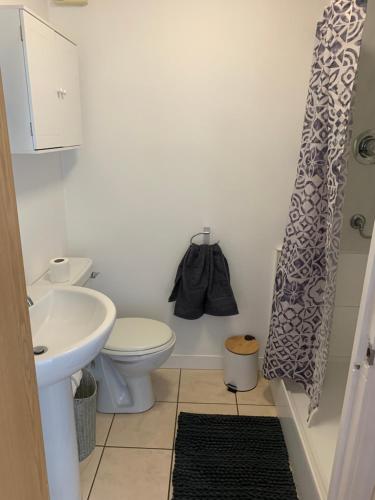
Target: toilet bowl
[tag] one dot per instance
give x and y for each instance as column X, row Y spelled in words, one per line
column 135, row 348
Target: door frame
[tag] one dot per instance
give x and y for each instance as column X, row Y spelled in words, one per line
column 23, row 473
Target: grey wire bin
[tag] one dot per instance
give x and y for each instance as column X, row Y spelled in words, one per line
column 85, row 415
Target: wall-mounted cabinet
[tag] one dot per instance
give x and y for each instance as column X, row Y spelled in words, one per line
column 39, row 68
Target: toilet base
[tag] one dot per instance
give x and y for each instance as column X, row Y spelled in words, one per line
column 117, row 394
column 124, row 379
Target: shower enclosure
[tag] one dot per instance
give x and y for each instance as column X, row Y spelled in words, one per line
column 325, row 451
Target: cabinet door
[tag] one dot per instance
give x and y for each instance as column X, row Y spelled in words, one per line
column 42, row 74
column 70, row 104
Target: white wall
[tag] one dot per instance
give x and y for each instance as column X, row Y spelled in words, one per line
column 40, row 7
column 40, row 197
column 192, row 116
column 350, row 277
column 41, row 210
column 359, row 193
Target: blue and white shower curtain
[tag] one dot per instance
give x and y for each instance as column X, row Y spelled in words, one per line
column 304, row 291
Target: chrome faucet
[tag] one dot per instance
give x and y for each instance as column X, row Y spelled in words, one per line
column 30, row 301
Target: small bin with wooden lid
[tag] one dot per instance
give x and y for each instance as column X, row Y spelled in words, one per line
column 241, row 363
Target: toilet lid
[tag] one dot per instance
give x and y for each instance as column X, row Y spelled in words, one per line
column 138, row 334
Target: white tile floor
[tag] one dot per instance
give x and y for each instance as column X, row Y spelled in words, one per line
column 133, row 459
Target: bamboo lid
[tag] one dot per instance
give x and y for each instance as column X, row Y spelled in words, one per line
column 242, row 344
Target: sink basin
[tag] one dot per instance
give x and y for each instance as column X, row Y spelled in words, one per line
column 73, row 323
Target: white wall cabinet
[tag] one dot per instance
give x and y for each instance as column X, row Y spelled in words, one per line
column 39, row 67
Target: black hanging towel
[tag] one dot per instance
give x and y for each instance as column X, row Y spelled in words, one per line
column 202, row 284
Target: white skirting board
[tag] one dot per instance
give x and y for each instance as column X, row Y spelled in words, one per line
column 197, row 361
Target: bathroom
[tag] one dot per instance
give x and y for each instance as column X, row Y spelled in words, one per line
column 192, row 113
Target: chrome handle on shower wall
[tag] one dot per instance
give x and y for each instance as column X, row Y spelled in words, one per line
column 358, row 222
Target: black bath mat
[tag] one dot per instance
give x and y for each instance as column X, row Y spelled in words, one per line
column 231, row 457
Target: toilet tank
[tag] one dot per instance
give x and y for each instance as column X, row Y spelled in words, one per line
column 80, row 272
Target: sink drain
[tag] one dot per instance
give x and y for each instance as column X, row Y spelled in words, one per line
column 39, row 349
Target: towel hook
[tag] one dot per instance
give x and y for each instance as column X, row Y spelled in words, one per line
column 206, row 233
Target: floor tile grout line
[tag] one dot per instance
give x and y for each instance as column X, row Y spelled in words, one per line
column 227, row 404
column 137, row 448
column 179, row 386
column 254, row 404
column 204, row 403
column 156, row 401
column 178, row 397
column 109, row 430
column 96, row 472
column 174, row 436
column 100, row 459
column 164, row 401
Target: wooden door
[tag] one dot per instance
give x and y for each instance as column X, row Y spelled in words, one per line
column 22, row 464
column 41, row 62
column 70, row 102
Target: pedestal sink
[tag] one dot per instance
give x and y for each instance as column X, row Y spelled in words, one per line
column 72, row 324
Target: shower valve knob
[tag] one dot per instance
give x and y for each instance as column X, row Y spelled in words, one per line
column 358, row 221
column 364, row 147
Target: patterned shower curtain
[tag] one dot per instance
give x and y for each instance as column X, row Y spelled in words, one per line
column 304, row 291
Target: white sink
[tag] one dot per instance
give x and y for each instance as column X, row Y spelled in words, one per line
column 73, row 323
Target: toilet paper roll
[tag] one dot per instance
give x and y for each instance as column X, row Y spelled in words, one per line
column 59, row 270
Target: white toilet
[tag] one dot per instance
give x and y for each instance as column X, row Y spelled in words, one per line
column 135, row 348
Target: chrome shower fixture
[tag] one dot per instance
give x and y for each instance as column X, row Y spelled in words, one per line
column 364, row 147
column 358, row 222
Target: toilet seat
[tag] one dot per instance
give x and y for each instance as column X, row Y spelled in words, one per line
column 138, row 336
